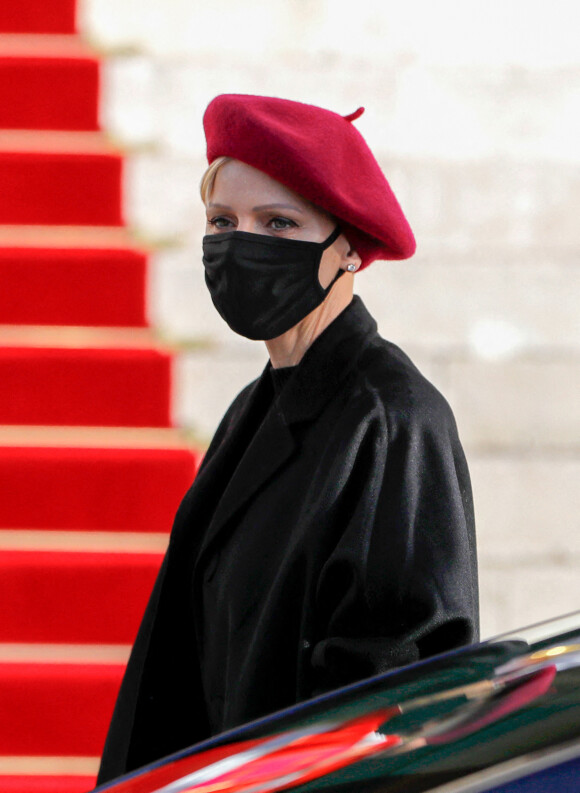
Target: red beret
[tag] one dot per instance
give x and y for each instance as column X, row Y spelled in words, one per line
column 321, row 156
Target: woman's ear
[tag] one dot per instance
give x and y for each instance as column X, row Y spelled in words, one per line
column 351, row 261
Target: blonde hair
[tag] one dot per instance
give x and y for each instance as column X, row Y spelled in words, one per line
column 208, row 179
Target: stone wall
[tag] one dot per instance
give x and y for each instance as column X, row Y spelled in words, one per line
column 473, row 110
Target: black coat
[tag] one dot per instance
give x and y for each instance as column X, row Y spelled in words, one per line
column 327, row 537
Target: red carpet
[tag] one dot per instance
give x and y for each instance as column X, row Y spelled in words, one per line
column 37, row 16
column 91, row 598
column 50, row 286
column 57, row 188
column 66, row 481
column 56, row 709
column 105, row 387
column 93, row 489
column 48, row 93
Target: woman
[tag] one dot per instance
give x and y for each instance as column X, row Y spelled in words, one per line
column 329, row 533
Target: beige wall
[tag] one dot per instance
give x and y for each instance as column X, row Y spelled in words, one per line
column 473, row 109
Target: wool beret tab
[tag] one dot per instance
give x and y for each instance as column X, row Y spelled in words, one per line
column 357, row 114
column 321, row 156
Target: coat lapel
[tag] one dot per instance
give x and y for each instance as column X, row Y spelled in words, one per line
column 327, row 363
column 270, row 447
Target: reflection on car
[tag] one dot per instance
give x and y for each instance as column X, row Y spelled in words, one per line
column 502, row 716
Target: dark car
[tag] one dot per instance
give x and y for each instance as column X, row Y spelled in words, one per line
column 503, row 715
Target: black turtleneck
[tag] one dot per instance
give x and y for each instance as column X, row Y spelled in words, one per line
column 280, row 377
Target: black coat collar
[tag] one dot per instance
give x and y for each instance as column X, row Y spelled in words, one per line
column 316, row 380
column 326, row 364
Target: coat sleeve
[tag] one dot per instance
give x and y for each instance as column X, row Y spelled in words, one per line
column 401, row 582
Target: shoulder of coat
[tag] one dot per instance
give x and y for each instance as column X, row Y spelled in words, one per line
column 387, row 376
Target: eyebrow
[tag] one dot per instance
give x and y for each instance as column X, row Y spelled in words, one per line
column 260, row 208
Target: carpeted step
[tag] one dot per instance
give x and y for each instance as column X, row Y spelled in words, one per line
column 37, row 16
column 79, row 386
column 109, row 654
column 93, row 541
column 72, row 286
column 47, row 90
column 47, row 774
column 74, row 596
column 47, row 784
column 59, row 178
column 96, row 437
column 56, row 709
column 101, row 237
column 91, row 488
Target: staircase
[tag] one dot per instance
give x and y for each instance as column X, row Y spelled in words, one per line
column 91, row 470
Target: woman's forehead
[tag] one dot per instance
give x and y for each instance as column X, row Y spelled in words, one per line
column 237, row 182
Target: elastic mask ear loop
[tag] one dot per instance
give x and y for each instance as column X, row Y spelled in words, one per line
column 333, row 237
column 334, row 280
column 326, row 244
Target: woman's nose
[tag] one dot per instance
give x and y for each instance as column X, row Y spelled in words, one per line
column 248, row 224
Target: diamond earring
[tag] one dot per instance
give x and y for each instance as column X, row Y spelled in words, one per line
column 351, row 268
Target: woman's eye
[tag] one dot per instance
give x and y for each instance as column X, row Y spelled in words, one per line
column 220, row 222
column 280, row 224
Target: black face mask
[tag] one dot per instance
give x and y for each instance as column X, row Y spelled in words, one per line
column 262, row 286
